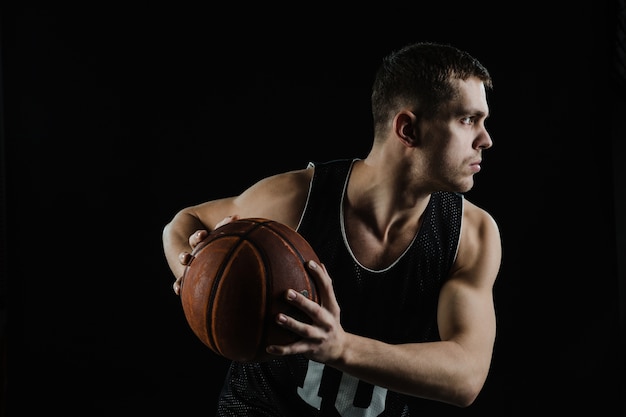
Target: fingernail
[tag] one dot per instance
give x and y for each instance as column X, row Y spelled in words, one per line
column 291, row 295
column 312, row 264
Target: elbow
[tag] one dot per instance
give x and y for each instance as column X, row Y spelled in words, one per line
column 466, row 399
column 467, row 392
column 165, row 231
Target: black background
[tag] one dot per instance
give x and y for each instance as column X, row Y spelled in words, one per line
column 116, row 116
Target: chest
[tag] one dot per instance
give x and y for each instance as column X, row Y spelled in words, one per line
column 377, row 251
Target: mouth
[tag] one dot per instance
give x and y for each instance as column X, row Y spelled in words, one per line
column 475, row 166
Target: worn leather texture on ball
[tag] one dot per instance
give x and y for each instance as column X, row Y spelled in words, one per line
column 235, row 286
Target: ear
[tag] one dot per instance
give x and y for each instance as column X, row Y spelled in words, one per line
column 405, row 126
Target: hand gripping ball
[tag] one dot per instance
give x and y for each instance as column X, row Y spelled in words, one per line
column 235, row 286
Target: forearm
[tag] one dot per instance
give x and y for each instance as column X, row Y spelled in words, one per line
column 441, row 371
column 176, row 239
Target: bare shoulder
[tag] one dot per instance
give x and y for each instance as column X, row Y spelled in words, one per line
column 281, row 197
column 289, row 180
column 480, row 247
column 478, row 220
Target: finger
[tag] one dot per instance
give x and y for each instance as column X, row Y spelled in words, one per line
column 226, row 220
column 197, row 237
column 304, row 330
column 284, row 350
column 303, row 345
column 305, row 304
column 176, row 286
column 325, row 286
column 185, row 258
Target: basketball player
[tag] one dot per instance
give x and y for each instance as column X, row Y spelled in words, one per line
column 407, row 320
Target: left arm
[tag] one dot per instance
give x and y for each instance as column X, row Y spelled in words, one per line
column 452, row 370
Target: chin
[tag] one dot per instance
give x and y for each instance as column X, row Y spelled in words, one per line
column 465, row 187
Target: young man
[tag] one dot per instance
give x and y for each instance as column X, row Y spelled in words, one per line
column 408, row 265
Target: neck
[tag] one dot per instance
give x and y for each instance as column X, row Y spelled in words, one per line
column 383, row 201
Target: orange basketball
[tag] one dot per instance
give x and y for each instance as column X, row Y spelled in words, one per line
column 235, row 286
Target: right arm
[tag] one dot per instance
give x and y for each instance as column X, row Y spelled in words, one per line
column 281, row 198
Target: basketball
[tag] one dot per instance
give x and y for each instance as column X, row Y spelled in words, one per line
column 235, row 285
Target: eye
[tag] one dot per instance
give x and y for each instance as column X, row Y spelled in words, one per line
column 469, row 120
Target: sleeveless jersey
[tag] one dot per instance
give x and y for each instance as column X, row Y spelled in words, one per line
column 397, row 304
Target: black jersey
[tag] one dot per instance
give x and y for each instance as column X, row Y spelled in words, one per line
column 397, row 304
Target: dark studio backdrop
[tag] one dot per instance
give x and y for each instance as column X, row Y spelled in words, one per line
column 114, row 118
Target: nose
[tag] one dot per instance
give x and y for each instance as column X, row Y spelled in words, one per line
column 483, row 140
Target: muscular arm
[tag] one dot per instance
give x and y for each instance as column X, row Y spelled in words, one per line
column 452, row 370
column 281, row 198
